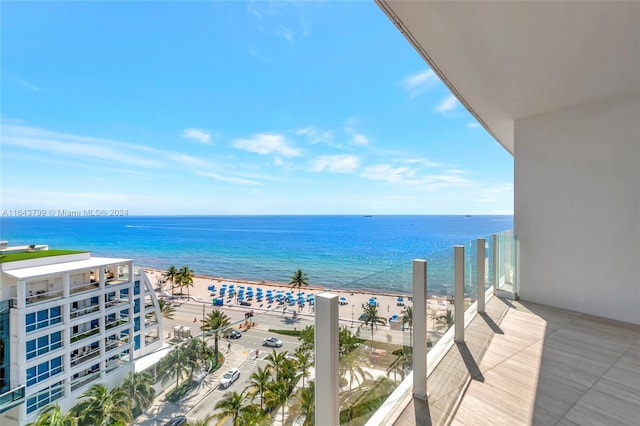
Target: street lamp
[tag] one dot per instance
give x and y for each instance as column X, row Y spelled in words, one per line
column 352, row 307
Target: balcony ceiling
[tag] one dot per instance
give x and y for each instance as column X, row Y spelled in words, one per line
column 509, row 60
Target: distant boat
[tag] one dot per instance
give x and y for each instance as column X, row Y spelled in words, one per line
column 467, row 215
column 368, row 215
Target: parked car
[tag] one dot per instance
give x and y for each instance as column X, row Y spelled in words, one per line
column 232, row 334
column 229, row 377
column 272, row 341
column 177, row 421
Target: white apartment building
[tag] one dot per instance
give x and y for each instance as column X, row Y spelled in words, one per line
column 69, row 320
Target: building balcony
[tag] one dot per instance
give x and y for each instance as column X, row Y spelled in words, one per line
column 39, row 296
column 81, row 288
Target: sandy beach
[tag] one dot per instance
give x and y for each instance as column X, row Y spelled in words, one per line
column 351, row 303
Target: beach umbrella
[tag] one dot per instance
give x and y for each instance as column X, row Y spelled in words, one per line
column 343, row 298
column 400, row 299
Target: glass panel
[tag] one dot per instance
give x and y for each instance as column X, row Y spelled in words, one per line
column 381, row 329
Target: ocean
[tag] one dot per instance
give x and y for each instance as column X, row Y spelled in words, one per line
column 359, row 252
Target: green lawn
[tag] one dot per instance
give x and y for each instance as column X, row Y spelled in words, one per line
column 14, row 257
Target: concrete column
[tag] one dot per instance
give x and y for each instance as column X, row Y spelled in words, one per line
column 420, row 329
column 327, row 401
column 496, row 259
column 481, row 274
column 459, row 294
column 65, row 285
column 21, row 294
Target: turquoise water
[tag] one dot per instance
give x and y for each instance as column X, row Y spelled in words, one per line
column 332, row 250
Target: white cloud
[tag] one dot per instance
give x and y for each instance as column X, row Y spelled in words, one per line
column 359, row 139
column 473, row 125
column 421, row 161
column 230, row 179
column 186, row 160
column 199, row 135
column 336, row 163
column 45, row 141
column 410, row 177
column 267, row 143
column 447, row 104
column 356, row 137
column 315, row 135
column 420, row 83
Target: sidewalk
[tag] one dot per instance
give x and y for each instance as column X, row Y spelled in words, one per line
column 195, row 404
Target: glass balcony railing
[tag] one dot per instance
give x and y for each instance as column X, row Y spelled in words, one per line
column 12, row 398
column 38, row 296
column 376, row 327
column 79, row 312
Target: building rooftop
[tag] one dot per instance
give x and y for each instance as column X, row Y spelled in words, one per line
column 58, row 268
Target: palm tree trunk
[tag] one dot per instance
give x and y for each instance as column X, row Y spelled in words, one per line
column 215, row 347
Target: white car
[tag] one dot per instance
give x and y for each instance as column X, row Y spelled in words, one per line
column 229, row 377
column 272, row 341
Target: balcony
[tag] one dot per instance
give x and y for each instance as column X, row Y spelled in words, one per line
column 84, row 354
column 12, row 398
column 79, row 312
column 81, row 288
column 84, row 334
column 39, row 296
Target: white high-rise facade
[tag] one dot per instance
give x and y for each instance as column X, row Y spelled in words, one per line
column 69, row 320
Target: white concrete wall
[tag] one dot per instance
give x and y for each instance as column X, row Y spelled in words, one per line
column 577, row 207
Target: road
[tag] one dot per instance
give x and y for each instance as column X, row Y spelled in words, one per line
column 201, row 400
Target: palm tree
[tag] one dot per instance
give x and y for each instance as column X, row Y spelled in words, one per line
column 277, row 359
column 140, row 388
column 214, row 322
column 445, row 321
column 304, row 363
column 232, row 405
column 51, row 415
column 103, row 408
column 277, row 394
column 185, row 279
column 166, row 309
column 407, row 318
column 258, row 382
column 370, row 318
column 177, row 363
column 171, row 275
column 308, row 404
column 352, row 366
column 298, row 279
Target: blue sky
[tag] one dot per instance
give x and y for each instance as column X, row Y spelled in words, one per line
column 233, row 108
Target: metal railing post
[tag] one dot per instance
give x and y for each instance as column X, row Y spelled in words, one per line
column 459, row 294
column 327, row 410
column 496, row 268
column 420, row 329
column 481, row 274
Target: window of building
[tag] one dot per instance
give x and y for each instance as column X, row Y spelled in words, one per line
column 136, row 306
column 44, row 318
column 44, row 344
column 45, row 396
column 136, row 287
column 44, row 370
